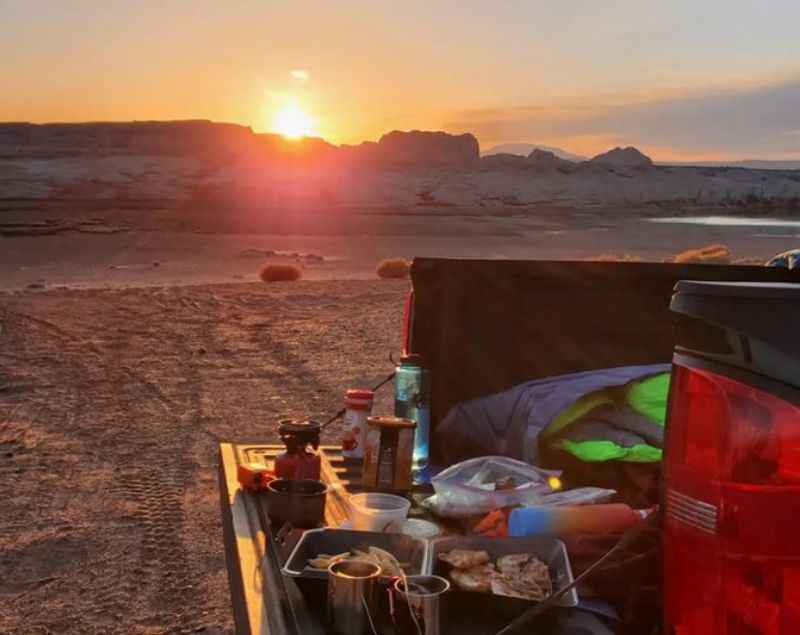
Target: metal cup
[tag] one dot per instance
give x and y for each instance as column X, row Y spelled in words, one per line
column 351, row 597
column 419, row 604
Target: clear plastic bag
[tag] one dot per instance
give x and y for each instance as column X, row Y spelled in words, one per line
column 480, row 485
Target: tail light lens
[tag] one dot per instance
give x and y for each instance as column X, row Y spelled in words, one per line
column 732, row 478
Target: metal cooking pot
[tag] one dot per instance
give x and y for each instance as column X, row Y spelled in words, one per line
column 299, row 502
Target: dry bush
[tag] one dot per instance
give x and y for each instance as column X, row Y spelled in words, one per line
column 280, row 273
column 754, row 262
column 393, row 268
column 710, row 254
column 613, row 258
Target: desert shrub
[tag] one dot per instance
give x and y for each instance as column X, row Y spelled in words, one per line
column 393, row 268
column 755, row 262
column 280, row 273
column 710, row 254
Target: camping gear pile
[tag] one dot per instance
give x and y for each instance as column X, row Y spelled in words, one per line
column 521, row 447
column 499, row 502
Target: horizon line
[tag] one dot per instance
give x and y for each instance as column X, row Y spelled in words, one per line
column 746, row 159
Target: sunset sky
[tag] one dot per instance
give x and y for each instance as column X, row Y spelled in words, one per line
column 715, row 79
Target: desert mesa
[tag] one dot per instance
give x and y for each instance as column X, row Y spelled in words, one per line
column 179, row 161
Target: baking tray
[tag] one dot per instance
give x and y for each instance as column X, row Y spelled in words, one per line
column 333, row 541
column 551, row 551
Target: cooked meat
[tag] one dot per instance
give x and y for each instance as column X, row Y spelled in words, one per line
column 513, row 563
column 475, row 579
column 464, row 559
column 537, row 572
column 503, row 586
column 523, row 570
column 517, row 575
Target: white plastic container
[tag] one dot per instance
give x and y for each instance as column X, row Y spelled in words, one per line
column 378, row 512
column 358, row 406
column 420, row 529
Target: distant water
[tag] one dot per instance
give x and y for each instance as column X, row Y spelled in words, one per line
column 726, row 221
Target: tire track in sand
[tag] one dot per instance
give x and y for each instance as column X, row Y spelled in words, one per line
column 155, row 482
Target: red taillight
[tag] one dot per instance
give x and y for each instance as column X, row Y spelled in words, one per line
column 732, row 479
column 407, row 317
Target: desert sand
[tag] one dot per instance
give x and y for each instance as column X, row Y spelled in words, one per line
column 112, row 403
column 122, row 248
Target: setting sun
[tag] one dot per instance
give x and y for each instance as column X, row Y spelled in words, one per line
column 293, row 122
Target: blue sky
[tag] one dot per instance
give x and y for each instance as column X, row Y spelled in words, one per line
column 709, row 79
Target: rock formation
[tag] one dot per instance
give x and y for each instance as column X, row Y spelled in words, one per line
column 199, row 139
column 628, row 157
column 503, row 161
column 427, row 149
column 544, row 160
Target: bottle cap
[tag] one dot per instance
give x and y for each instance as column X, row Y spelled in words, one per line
column 530, row 521
column 412, row 359
column 359, row 394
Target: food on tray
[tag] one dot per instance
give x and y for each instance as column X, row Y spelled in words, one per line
column 501, row 586
column 386, row 561
column 477, row 579
column 518, row 575
column 464, row 558
column 323, row 560
column 537, row 571
column 512, row 563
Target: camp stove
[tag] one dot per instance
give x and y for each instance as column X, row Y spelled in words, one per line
column 301, row 459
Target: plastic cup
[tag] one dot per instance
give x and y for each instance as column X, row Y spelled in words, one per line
column 420, row 606
column 378, row 512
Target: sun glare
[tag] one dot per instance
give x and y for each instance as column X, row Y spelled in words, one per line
column 293, row 122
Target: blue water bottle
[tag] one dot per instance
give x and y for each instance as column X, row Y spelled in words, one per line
column 412, row 401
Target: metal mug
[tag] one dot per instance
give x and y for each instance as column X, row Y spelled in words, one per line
column 417, row 607
column 351, row 597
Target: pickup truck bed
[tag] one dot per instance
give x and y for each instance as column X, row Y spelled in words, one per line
column 483, row 327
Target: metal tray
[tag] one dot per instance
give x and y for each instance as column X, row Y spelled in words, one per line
column 332, row 541
column 551, row 551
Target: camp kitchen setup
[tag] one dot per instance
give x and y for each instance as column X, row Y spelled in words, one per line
column 574, row 448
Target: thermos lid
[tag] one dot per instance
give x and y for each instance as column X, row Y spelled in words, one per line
column 386, row 421
column 412, row 359
column 361, row 394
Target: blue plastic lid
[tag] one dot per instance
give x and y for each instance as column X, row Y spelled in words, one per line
column 530, row 521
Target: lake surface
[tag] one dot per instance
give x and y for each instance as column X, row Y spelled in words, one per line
column 726, row 221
